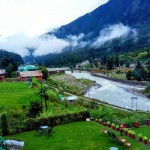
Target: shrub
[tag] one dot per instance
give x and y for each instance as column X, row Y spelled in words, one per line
column 145, row 138
column 125, row 130
column 129, row 132
column 34, row 123
column 113, row 125
column 34, row 81
column 100, row 120
column 140, row 135
column 108, row 122
column 133, row 133
column 96, row 120
column 35, row 109
column 52, row 96
column 4, row 124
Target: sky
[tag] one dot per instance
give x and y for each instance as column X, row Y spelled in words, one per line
column 23, row 21
column 34, row 17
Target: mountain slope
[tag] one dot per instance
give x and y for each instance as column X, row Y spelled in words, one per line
column 134, row 13
column 116, row 27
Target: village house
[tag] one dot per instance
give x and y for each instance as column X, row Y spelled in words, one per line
column 2, row 74
column 70, row 99
column 27, row 68
column 30, row 74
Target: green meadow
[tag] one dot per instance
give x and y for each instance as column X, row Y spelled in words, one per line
column 75, row 136
column 16, row 94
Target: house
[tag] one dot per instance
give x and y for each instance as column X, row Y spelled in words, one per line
column 2, row 74
column 30, row 74
column 70, row 99
column 27, row 68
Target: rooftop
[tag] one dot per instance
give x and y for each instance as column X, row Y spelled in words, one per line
column 37, row 73
column 2, row 71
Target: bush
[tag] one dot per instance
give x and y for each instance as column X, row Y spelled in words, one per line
column 125, row 130
column 108, row 122
column 100, row 120
column 145, row 138
column 113, row 125
column 34, row 123
column 35, row 109
column 140, row 135
column 133, row 133
column 129, row 132
column 34, row 81
column 52, row 96
column 4, row 124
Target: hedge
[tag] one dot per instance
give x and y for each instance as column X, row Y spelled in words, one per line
column 34, row 123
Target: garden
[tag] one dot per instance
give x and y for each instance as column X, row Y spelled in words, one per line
column 77, row 135
column 24, row 107
column 136, row 128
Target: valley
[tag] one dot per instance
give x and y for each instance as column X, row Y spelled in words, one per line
column 75, row 75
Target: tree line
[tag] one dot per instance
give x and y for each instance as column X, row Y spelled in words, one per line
column 10, row 62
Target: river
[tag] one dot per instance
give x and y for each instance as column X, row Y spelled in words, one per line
column 115, row 93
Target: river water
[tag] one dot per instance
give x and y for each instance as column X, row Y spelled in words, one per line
column 115, row 93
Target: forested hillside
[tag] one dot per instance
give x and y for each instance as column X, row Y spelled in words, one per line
column 119, row 26
column 10, row 61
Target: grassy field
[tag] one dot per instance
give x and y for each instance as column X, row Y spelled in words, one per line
column 74, row 136
column 118, row 76
column 16, row 94
column 145, row 131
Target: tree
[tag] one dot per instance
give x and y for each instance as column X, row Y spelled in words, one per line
column 129, row 75
column 35, row 109
column 44, row 71
column 110, row 63
column 117, row 61
column 9, row 70
column 4, row 124
column 52, row 96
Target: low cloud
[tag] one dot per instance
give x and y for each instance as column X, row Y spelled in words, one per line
column 42, row 45
column 111, row 32
column 75, row 40
column 47, row 44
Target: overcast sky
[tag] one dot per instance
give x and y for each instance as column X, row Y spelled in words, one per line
column 34, row 17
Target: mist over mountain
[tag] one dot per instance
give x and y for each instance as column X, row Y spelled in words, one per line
column 132, row 13
column 117, row 26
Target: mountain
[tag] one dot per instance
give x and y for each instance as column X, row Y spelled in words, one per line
column 133, row 13
column 117, row 26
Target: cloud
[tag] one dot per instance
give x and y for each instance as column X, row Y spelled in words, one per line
column 42, row 45
column 34, row 17
column 77, row 41
column 114, row 31
column 46, row 44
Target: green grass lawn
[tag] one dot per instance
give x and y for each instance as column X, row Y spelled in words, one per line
column 74, row 136
column 145, row 131
column 120, row 76
column 15, row 94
